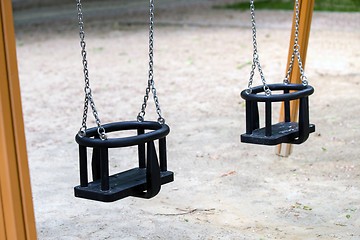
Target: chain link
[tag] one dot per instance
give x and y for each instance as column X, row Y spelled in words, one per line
column 87, row 89
column 151, row 84
column 256, row 60
column 296, row 51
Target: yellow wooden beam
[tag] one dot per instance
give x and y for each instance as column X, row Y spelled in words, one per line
column 306, row 8
column 17, row 211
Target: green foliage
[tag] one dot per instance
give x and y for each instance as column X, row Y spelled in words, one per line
column 320, row 5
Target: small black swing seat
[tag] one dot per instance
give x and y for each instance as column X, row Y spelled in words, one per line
column 144, row 181
column 282, row 132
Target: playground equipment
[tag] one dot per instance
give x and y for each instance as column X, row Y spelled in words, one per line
column 287, row 131
column 144, row 181
column 17, row 219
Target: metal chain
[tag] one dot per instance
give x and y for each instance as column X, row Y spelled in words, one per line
column 87, row 89
column 151, row 83
column 256, row 60
column 296, row 51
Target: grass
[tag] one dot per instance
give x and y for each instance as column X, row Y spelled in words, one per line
column 320, row 5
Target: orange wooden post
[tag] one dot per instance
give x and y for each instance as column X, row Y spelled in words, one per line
column 17, row 219
column 2, row 220
column 306, row 8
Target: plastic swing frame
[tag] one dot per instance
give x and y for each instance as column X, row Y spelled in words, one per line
column 282, row 132
column 144, row 181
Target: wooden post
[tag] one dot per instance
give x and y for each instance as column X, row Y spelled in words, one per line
column 2, row 220
column 17, row 219
column 306, row 8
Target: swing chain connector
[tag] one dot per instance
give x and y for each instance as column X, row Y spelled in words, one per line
column 102, row 133
column 87, row 89
column 82, row 132
column 151, row 84
column 140, row 118
column 161, row 120
column 267, row 90
column 304, row 80
column 286, row 80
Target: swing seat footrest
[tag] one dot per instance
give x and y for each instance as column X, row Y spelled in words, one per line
column 283, row 132
column 124, row 184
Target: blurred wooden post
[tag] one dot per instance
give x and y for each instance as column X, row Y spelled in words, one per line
column 306, row 8
column 17, row 221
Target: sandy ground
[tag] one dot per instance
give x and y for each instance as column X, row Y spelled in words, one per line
column 223, row 189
